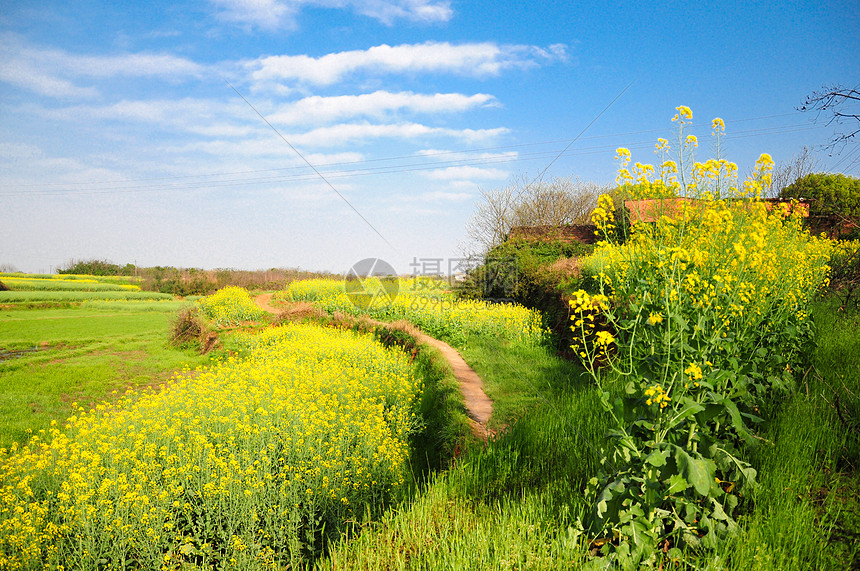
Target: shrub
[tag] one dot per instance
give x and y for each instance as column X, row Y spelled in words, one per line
column 834, row 201
column 845, row 272
column 189, row 329
column 92, row 267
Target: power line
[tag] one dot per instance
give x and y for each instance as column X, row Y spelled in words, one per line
column 130, row 186
column 846, row 157
column 584, row 129
column 412, row 156
column 295, row 150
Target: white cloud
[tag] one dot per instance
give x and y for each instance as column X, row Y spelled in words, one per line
column 17, row 151
column 276, row 14
column 475, row 59
column 54, row 73
column 317, row 109
column 199, row 116
column 28, row 75
column 461, row 156
column 351, row 132
column 265, row 14
column 388, row 11
column 264, row 150
column 129, row 65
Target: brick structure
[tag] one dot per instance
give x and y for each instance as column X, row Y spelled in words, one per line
column 568, row 233
column 650, row 210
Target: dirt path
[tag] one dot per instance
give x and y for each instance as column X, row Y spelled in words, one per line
column 479, row 407
column 262, row 302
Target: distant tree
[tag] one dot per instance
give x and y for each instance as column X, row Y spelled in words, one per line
column 797, row 167
column 843, row 103
column 563, row 200
column 831, row 196
column 90, row 267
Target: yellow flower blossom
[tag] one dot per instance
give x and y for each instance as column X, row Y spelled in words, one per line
column 655, row 318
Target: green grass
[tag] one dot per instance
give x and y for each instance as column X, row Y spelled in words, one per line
column 80, row 355
column 511, row 504
column 78, row 296
column 514, row 503
column 518, row 377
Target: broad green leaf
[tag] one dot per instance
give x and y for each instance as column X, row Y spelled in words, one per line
column 697, row 472
column 689, row 407
column 677, row 484
column 657, row 458
column 737, row 421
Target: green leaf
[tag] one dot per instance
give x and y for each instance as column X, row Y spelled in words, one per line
column 737, row 421
column 677, row 484
column 708, row 412
column 698, row 472
column 689, row 407
column 657, row 458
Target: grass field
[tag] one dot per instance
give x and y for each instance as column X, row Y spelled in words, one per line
column 31, row 284
column 117, row 280
column 64, row 355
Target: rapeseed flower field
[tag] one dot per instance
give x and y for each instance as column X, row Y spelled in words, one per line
column 431, row 306
column 243, row 465
column 230, row 306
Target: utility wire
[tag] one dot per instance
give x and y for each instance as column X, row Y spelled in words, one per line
column 584, row 129
column 847, row 155
column 730, row 135
column 294, row 174
column 301, row 156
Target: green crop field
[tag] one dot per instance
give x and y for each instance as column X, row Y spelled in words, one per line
column 64, row 285
column 78, row 296
column 53, row 357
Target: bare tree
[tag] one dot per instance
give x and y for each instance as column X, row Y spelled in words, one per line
column 493, row 218
column 844, row 104
column 563, row 200
column 786, row 172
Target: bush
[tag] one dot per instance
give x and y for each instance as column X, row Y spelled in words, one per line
column 834, row 201
column 189, row 329
column 94, row 267
column 845, row 272
column 537, row 274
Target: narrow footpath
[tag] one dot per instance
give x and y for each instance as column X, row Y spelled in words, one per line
column 479, row 407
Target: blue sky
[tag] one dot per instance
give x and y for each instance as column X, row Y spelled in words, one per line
column 121, row 139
